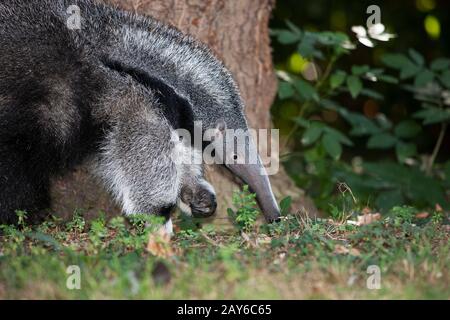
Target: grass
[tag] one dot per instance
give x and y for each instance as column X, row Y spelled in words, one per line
column 298, row 258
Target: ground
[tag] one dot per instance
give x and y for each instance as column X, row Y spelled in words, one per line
column 401, row 255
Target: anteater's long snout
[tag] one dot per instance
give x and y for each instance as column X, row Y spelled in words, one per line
column 255, row 176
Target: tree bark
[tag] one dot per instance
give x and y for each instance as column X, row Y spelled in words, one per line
column 238, row 33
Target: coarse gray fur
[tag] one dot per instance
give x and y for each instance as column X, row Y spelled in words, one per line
column 112, row 94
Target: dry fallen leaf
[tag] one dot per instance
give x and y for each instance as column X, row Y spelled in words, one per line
column 282, row 255
column 422, row 215
column 159, row 244
column 264, row 239
column 340, row 249
column 249, row 241
column 176, row 229
column 355, row 252
column 368, row 218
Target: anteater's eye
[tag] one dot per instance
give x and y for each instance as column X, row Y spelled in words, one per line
column 235, row 157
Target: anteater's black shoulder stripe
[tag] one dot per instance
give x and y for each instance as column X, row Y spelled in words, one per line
column 176, row 109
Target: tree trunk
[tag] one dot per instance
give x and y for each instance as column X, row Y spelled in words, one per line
column 238, row 33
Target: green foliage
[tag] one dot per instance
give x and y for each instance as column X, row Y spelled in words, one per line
column 146, row 222
column 21, row 218
column 285, row 205
column 271, row 260
column 246, row 212
column 77, row 224
column 403, row 215
column 399, row 171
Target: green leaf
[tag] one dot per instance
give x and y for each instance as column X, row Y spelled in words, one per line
column 306, row 47
column 407, row 129
column 231, row 213
column 423, row 77
column 337, row 79
column 332, row 146
column 395, row 61
column 401, row 62
column 388, row 79
column 285, row 205
column 312, row 134
column 391, row 174
column 389, row 199
column 306, row 91
column 354, row 86
column 288, row 37
column 360, row 70
column 409, row 71
column 445, row 79
column 326, row 38
column 433, row 115
column 440, row 64
column 342, row 138
column 361, row 125
column 421, row 188
column 377, row 71
column 411, row 181
column 332, row 39
column 381, row 141
column 405, row 150
column 285, row 90
column 293, row 27
column 302, row 122
column 416, row 57
column 371, row 94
